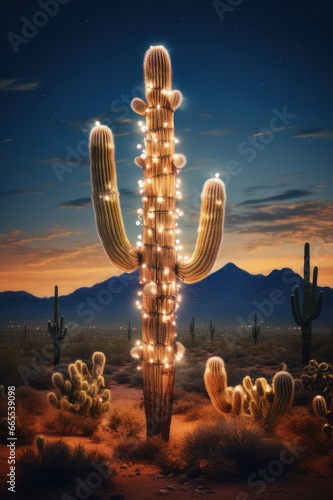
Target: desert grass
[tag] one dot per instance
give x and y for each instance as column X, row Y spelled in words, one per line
column 55, row 463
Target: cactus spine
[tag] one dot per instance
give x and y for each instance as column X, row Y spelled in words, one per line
column 311, row 306
column 157, row 255
column 255, row 329
column 56, row 330
column 259, row 400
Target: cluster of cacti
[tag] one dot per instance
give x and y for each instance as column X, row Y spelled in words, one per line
column 84, row 393
column 320, row 408
column 212, row 330
column 57, row 331
column 255, row 329
column 156, row 254
column 317, row 378
column 259, row 400
column 192, row 325
column 311, row 306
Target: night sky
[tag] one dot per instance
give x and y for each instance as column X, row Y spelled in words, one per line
column 257, row 81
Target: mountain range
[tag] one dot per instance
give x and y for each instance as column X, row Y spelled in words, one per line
column 229, row 297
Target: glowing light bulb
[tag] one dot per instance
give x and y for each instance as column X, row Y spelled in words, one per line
column 217, row 175
column 107, row 198
column 98, row 124
column 139, row 146
column 140, row 123
column 165, row 124
column 160, row 199
column 137, row 223
column 176, row 140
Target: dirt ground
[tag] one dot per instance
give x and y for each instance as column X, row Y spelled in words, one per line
column 133, row 481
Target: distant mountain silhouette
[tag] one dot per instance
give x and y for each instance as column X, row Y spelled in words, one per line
column 229, row 297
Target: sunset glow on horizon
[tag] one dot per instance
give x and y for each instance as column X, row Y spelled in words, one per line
column 256, row 112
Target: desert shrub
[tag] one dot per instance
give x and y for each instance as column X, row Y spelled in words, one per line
column 55, row 464
column 25, row 433
column 126, row 421
column 308, row 432
column 41, row 378
column 229, row 449
column 138, row 450
column 129, row 375
column 67, row 424
column 188, row 403
column 189, row 376
column 31, row 400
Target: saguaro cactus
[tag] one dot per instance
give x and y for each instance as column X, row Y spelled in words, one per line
column 57, row 331
column 311, row 306
column 156, row 254
column 255, row 329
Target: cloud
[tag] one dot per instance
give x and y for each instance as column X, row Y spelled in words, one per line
column 215, row 132
column 10, row 85
column 290, row 194
column 18, row 192
column 315, row 134
column 269, row 131
column 78, row 203
column 281, row 224
column 262, row 132
column 15, row 239
column 7, row 140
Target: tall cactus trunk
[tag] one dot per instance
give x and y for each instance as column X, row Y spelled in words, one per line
column 56, row 352
column 306, row 342
column 311, row 307
column 157, row 254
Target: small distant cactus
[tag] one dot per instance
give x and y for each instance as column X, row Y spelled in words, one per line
column 259, row 400
column 57, row 331
column 311, row 306
column 84, row 394
column 317, row 378
column 129, row 332
column 320, row 408
column 192, row 328
column 255, row 329
column 212, row 330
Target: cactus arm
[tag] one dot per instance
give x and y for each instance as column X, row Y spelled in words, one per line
column 283, row 388
column 105, row 197
column 318, row 305
column 215, row 378
column 210, row 235
column 295, row 307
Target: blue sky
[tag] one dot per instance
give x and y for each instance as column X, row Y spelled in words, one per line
column 257, row 85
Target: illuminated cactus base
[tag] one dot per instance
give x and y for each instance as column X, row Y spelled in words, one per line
column 156, row 254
